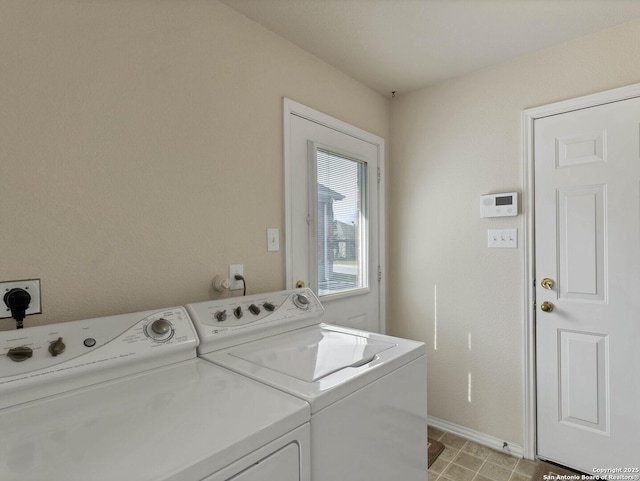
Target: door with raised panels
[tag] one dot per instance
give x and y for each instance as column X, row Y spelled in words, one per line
column 587, row 235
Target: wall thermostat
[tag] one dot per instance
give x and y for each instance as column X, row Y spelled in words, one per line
column 499, row 205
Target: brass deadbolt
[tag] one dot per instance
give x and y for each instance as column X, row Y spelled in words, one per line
column 547, row 283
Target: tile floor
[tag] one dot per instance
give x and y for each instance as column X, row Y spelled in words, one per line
column 464, row 460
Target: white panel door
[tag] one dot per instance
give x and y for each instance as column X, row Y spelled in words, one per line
column 587, row 234
column 333, row 234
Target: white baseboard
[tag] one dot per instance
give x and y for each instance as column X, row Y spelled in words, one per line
column 476, row 436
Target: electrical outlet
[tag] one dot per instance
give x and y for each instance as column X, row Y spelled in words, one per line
column 234, row 284
column 32, row 286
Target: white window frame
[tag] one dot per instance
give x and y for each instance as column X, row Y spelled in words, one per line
column 313, row 204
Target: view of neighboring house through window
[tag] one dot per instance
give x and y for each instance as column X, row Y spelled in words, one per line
column 341, row 228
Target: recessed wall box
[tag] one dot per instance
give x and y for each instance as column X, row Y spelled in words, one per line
column 499, row 205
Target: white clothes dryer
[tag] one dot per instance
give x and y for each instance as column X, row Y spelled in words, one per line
column 126, row 398
column 367, row 391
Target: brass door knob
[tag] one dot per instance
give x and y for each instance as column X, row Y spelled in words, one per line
column 299, row 284
column 547, row 283
column 547, row 306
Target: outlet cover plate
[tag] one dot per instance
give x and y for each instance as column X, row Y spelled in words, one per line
column 32, row 286
column 234, row 284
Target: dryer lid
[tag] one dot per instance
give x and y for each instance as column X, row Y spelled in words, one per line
column 310, row 355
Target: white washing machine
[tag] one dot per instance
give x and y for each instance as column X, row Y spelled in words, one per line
column 125, row 398
column 367, row 391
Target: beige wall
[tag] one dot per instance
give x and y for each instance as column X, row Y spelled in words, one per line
column 449, row 144
column 141, row 149
column 141, row 153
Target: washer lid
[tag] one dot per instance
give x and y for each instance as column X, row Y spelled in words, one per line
column 315, row 351
column 310, row 355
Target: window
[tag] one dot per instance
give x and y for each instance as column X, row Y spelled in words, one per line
column 341, row 223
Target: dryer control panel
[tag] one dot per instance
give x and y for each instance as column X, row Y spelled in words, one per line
column 51, row 359
column 227, row 322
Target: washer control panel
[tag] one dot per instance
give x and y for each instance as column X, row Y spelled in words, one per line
column 73, row 354
column 231, row 321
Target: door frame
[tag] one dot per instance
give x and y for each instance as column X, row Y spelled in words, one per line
column 291, row 107
column 528, row 118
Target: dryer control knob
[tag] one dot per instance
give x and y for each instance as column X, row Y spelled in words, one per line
column 161, row 326
column 18, row 354
column 57, row 347
column 301, row 301
column 160, row 330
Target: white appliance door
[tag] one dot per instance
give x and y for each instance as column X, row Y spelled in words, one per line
column 281, row 466
column 285, row 459
column 587, row 224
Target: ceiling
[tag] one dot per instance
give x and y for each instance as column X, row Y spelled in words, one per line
column 403, row 45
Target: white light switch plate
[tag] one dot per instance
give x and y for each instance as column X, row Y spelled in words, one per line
column 502, row 238
column 273, row 240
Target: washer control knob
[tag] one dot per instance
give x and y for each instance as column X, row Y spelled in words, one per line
column 221, row 316
column 160, row 330
column 268, row 306
column 19, row 354
column 301, row 301
column 57, row 347
column 238, row 312
column 253, row 309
